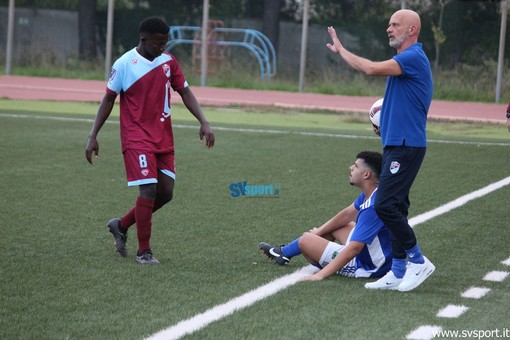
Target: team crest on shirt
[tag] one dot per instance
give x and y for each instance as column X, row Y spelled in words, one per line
column 134, row 61
column 394, row 167
column 145, row 172
column 166, row 70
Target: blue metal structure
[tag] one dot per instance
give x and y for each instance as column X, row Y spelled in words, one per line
column 257, row 43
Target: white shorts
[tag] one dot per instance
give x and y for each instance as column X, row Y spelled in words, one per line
column 331, row 251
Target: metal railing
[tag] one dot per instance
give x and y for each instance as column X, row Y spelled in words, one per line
column 256, row 42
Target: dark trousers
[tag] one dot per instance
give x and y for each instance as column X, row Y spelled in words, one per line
column 399, row 169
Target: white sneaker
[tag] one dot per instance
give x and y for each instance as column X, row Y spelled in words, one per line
column 416, row 274
column 388, row 281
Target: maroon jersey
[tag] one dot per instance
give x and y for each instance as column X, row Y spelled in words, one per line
column 145, row 110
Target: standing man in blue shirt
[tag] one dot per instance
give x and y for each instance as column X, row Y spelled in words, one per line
column 409, row 89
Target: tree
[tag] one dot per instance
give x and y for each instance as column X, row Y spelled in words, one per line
column 87, row 29
column 271, row 20
column 439, row 36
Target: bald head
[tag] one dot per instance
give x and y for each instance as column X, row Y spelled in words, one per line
column 410, row 18
column 403, row 29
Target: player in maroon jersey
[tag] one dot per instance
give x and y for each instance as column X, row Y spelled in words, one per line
column 144, row 77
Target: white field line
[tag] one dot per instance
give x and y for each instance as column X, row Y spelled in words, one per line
column 248, row 130
column 496, row 276
column 425, row 332
column 459, row 202
column 199, row 321
column 219, row 312
column 475, row 292
column 452, row 311
column 216, row 313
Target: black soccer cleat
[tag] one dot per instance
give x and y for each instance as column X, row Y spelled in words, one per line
column 120, row 238
column 273, row 253
column 146, row 257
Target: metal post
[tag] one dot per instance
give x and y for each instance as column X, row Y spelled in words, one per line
column 501, row 54
column 10, row 33
column 304, row 43
column 203, row 51
column 109, row 40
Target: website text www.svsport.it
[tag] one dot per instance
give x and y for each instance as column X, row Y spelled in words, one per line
column 474, row 333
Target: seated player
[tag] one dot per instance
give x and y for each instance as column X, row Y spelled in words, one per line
column 363, row 249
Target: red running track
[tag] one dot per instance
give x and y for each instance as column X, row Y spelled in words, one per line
column 37, row 88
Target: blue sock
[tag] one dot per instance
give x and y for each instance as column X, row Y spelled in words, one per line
column 291, row 249
column 398, row 267
column 415, row 255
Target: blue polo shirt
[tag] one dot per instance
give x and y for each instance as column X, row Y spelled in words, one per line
column 407, row 100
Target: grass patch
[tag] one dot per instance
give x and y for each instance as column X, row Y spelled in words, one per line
column 64, row 280
column 274, row 118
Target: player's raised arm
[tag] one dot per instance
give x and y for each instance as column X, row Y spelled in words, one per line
column 372, row 68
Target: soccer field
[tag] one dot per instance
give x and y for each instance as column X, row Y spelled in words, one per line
column 61, row 278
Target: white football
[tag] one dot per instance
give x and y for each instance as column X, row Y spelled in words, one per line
column 375, row 112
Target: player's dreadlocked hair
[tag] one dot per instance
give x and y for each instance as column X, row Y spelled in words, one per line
column 373, row 160
column 153, row 25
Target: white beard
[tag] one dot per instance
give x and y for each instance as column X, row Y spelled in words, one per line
column 396, row 42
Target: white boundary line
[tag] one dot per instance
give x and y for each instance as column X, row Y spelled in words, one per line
column 459, row 202
column 475, row 292
column 266, row 131
column 216, row 313
column 219, row 312
column 425, row 332
column 202, row 320
column 452, row 311
column 496, row 276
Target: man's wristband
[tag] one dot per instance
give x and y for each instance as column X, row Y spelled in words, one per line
column 508, row 115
